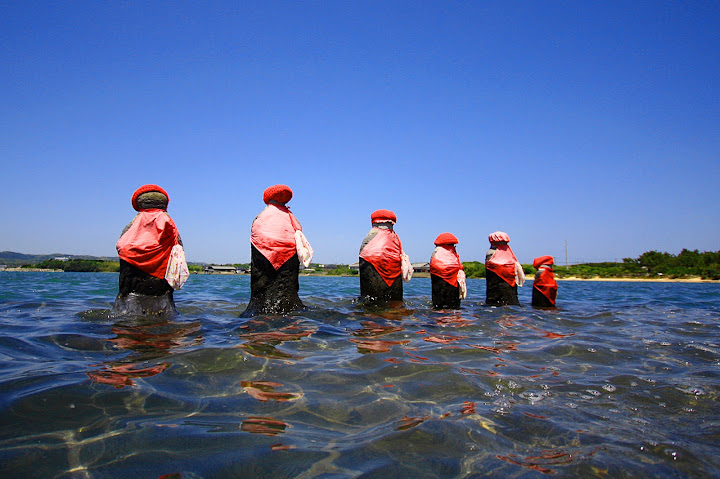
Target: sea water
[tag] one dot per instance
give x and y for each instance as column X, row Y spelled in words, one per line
column 622, row 380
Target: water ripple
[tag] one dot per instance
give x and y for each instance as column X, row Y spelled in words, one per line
column 620, row 381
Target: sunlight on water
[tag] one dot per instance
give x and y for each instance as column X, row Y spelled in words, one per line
column 620, row 381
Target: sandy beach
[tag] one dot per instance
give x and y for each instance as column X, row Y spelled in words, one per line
column 695, row 279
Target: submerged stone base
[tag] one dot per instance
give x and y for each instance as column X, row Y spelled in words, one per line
column 273, row 292
column 135, row 304
column 141, row 294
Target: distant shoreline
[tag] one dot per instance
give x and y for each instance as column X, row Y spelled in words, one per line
column 694, row 279
column 32, row 270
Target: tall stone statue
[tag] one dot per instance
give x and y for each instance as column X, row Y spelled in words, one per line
column 148, row 248
column 383, row 263
column 545, row 287
column 446, row 273
column 503, row 272
column 277, row 249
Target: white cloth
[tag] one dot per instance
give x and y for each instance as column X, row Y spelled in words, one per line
column 519, row 274
column 406, row 267
column 304, row 250
column 177, row 270
column 462, row 282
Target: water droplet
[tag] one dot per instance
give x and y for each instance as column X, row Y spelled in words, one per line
column 609, row 388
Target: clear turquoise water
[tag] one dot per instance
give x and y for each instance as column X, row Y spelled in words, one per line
column 621, row 381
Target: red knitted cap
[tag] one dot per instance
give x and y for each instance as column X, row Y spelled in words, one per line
column 446, row 238
column 280, row 193
column 498, row 237
column 147, row 189
column 537, row 262
column 378, row 216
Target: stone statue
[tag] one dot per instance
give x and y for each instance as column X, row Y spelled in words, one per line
column 544, row 292
column 446, row 274
column 382, row 259
column 503, row 272
column 277, row 249
column 144, row 250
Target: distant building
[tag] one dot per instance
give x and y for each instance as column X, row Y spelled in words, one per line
column 61, row 258
column 421, row 267
column 219, row 269
column 354, row 266
column 3, row 267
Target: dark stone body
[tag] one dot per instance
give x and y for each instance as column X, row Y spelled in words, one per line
column 499, row 293
column 539, row 300
column 142, row 294
column 444, row 295
column 273, row 292
column 374, row 288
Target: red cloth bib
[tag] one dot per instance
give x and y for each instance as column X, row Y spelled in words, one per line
column 502, row 263
column 384, row 252
column 546, row 284
column 273, row 234
column 148, row 242
column 445, row 263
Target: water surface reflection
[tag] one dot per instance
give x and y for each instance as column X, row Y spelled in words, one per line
column 620, row 381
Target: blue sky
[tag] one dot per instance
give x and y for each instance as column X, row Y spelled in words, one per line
column 595, row 123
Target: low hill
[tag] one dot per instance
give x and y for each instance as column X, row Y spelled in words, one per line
column 11, row 258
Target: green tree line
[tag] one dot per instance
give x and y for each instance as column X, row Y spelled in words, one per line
column 78, row 265
column 653, row 264
column 689, row 263
column 342, row 270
